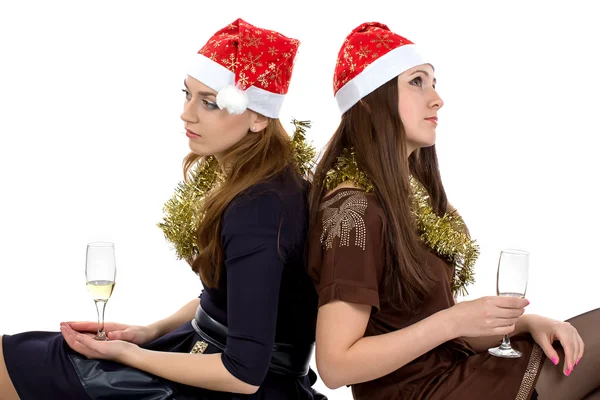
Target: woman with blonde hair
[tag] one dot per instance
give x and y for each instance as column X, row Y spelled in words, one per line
column 241, row 223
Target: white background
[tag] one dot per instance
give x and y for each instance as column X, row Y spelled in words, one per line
column 91, row 142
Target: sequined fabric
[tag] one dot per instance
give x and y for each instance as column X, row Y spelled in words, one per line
column 344, row 220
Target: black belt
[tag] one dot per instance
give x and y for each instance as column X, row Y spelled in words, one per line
column 286, row 359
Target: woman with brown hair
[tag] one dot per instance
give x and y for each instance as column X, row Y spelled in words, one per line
column 388, row 254
column 241, row 222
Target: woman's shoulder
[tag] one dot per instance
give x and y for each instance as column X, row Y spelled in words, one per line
column 350, row 195
column 283, row 188
column 349, row 208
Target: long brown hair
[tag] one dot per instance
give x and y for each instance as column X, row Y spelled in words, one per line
column 257, row 157
column 374, row 130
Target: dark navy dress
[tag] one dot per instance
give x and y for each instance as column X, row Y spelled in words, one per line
column 265, row 296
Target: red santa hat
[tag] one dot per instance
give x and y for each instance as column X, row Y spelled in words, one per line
column 370, row 56
column 248, row 67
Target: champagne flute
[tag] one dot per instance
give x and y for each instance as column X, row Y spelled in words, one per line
column 513, row 271
column 100, row 274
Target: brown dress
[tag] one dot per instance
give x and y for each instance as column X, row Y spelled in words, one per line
column 346, row 262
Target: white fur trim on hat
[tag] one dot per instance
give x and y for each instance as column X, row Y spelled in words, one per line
column 217, row 77
column 377, row 73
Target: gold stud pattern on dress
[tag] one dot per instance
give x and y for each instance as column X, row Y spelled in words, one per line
column 340, row 222
column 199, row 347
column 530, row 373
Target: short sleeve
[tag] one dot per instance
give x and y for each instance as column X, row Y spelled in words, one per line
column 255, row 249
column 346, row 254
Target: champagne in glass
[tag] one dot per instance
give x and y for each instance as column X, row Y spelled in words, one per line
column 513, row 272
column 100, row 274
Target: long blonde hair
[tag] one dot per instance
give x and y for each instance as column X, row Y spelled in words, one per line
column 255, row 158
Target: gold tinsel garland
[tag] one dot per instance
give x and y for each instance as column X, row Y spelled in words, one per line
column 182, row 212
column 303, row 154
column 446, row 235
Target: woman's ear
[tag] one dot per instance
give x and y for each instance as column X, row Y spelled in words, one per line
column 258, row 122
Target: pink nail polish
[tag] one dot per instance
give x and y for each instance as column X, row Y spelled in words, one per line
column 577, row 362
column 571, row 367
column 554, row 360
column 568, row 372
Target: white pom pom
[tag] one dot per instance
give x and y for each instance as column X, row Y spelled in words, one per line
column 233, row 99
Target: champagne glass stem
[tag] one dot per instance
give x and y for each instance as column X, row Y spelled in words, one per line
column 505, row 343
column 100, row 305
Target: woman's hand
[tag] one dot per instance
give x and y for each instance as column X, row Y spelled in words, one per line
column 545, row 331
column 487, row 316
column 85, row 344
column 139, row 335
